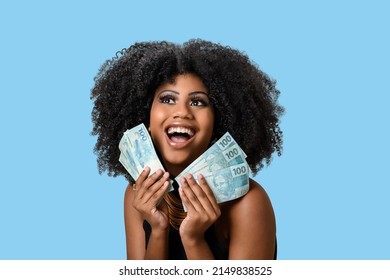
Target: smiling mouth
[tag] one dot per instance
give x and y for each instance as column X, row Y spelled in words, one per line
column 180, row 134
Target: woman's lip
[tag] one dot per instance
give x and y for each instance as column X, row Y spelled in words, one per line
column 180, row 129
column 178, row 145
column 180, row 125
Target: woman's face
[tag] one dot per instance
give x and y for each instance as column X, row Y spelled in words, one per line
column 181, row 121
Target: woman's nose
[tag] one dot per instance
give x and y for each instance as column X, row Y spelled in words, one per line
column 183, row 112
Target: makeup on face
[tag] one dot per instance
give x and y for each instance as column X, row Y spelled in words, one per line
column 181, row 120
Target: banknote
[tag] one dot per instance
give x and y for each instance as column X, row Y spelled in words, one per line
column 224, row 167
column 228, row 183
column 137, row 152
column 123, row 160
column 223, row 153
column 142, row 148
column 214, row 159
column 126, row 159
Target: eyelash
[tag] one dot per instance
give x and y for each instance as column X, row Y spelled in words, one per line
column 167, row 99
column 204, row 102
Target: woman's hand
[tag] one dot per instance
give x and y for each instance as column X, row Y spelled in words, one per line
column 148, row 192
column 202, row 208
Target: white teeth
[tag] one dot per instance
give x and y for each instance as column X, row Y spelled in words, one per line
column 188, row 131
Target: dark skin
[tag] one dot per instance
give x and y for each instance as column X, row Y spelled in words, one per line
column 235, row 227
column 239, row 91
column 245, row 225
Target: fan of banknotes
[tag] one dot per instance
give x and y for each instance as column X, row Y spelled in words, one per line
column 223, row 165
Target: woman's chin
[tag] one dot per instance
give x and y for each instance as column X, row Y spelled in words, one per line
column 175, row 167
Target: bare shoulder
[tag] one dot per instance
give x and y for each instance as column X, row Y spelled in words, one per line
column 128, row 194
column 128, row 201
column 255, row 202
column 251, row 225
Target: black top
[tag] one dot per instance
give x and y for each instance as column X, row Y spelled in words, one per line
column 176, row 249
column 175, row 246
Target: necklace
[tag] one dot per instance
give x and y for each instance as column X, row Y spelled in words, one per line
column 176, row 212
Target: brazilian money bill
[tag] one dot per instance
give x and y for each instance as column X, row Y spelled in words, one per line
column 223, row 165
column 137, row 152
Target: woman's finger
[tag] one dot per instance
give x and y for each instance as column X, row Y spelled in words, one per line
column 157, row 185
column 200, row 190
column 137, row 187
column 195, row 193
column 145, row 180
column 187, row 196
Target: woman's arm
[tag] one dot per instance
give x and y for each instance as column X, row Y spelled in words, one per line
column 141, row 204
column 252, row 227
column 135, row 234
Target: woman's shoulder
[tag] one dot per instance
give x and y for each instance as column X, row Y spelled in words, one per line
column 255, row 203
column 129, row 191
column 248, row 224
column 255, row 195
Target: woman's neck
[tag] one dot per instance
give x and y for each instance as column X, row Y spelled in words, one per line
column 174, row 170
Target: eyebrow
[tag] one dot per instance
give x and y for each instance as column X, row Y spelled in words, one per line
column 190, row 94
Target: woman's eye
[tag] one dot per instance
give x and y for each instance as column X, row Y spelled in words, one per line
column 199, row 102
column 167, row 99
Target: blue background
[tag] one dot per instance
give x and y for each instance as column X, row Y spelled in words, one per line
column 330, row 189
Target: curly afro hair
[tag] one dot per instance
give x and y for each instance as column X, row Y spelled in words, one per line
column 244, row 98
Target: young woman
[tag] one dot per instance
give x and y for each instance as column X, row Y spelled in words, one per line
column 188, row 96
